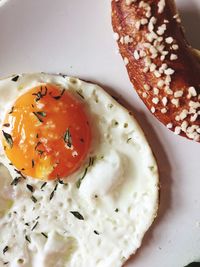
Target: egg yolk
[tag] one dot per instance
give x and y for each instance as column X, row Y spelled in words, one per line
column 46, row 134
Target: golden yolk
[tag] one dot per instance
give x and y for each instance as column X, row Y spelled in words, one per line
column 46, row 135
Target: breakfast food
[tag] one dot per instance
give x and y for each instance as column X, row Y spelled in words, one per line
column 78, row 181
column 161, row 65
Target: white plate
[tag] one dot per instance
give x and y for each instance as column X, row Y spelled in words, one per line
column 75, row 37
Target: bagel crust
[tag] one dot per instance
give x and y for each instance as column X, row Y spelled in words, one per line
column 161, row 64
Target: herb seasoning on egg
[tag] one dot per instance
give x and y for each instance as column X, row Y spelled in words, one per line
column 15, row 79
column 77, row 215
column 68, row 138
column 5, row 249
column 8, row 138
column 59, row 96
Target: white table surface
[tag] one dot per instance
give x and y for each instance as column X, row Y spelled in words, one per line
column 75, row 37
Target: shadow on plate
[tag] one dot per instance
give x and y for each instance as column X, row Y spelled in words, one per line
column 191, row 21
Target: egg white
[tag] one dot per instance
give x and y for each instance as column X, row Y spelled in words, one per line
column 114, row 204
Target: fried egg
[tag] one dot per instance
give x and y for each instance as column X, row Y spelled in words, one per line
column 78, row 180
